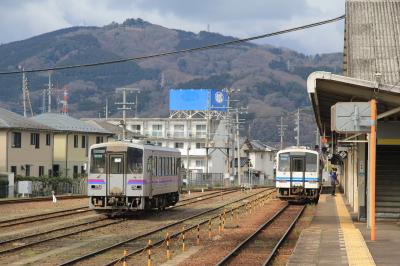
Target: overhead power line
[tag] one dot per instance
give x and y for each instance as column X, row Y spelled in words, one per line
column 189, row 50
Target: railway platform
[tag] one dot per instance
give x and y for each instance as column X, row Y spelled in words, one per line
column 332, row 238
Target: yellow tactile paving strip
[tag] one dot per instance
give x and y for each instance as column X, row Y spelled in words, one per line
column 356, row 248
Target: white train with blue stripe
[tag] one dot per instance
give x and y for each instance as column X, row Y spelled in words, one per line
column 133, row 175
column 298, row 174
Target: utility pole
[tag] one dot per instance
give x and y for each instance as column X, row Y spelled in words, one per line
column 281, row 128
column 24, row 91
column 136, row 102
column 106, row 114
column 25, row 95
column 124, row 107
column 44, row 101
column 298, row 127
column 238, row 147
column 49, row 93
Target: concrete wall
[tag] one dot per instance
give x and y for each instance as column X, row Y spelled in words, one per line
column 3, row 151
column 29, row 155
column 67, row 156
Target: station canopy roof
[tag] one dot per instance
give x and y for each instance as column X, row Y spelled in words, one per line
column 326, row 89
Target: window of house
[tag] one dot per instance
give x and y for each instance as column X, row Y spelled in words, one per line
column 201, row 131
column 179, row 131
column 16, row 140
column 35, row 140
column 76, row 141
column 27, row 170
column 200, row 145
column 84, row 139
column 135, row 128
column 156, row 131
column 199, row 163
column 179, row 145
column 99, row 140
column 75, row 171
column 83, row 169
column 41, row 170
column 14, row 170
column 48, row 139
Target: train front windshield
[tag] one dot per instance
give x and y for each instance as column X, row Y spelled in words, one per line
column 134, row 161
column 98, row 162
column 295, row 162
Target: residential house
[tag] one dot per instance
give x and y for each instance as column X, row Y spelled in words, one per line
column 71, row 142
column 26, row 146
column 261, row 159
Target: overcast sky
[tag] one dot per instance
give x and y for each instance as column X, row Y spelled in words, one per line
column 21, row 19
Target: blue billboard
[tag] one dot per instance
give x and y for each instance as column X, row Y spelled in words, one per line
column 188, row 99
column 198, row 100
column 218, row 100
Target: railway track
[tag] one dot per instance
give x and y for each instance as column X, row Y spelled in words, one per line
column 42, row 217
column 139, row 242
column 261, row 247
column 37, row 199
column 79, row 210
column 18, row 243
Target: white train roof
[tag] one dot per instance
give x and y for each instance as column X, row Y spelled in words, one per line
column 298, row 149
column 136, row 144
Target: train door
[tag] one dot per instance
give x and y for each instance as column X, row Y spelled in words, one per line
column 116, row 174
column 297, row 165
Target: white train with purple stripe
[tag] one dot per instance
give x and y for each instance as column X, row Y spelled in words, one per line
column 133, row 175
column 298, row 174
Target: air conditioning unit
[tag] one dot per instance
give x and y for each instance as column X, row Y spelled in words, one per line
column 351, row 117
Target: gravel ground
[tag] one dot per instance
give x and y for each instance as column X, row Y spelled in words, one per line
column 61, row 250
column 17, row 210
column 287, row 248
column 235, row 232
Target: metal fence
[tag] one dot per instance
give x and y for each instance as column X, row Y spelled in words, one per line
column 219, row 180
column 39, row 189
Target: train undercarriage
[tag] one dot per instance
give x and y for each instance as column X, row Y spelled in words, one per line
column 109, row 204
column 299, row 194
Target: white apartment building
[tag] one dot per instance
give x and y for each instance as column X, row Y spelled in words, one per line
column 189, row 135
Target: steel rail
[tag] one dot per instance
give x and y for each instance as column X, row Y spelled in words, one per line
column 271, row 256
column 57, row 237
column 25, row 200
column 241, row 245
column 89, row 222
column 178, row 233
column 102, row 250
column 40, row 217
column 202, row 198
column 65, row 235
column 50, row 231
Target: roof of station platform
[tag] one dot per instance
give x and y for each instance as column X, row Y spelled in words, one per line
column 326, row 89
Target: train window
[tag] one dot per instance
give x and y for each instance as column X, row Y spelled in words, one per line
column 159, row 166
column 135, row 161
column 311, row 162
column 284, row 162
column 173, row 166
column 116, row 165
column 298, row 165
column 150, row 164
column 162, row 166
column 98, row 161
column 155, row 169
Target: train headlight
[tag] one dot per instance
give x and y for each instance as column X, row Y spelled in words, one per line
column 136, row 187
column 96, row 187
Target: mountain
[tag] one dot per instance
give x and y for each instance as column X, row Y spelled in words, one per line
column 271, row 79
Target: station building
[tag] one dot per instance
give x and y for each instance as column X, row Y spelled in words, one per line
column 26, row 147
column 72, row 140
column 371, row 70
column 189, row 136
